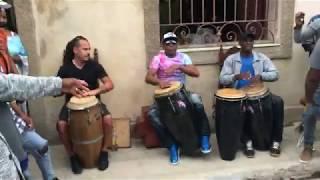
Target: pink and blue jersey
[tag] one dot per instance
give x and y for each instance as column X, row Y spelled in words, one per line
column 161, row 62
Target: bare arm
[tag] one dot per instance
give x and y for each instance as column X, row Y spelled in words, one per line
column 16, row 109
column 311, row 84
column 151, row 77
column 190, row 70
column 106, row 86
column 18, row 87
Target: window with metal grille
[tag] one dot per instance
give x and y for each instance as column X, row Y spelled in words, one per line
column 204, row 22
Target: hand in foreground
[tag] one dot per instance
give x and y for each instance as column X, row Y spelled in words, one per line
column 299, row 19
column 75, row 87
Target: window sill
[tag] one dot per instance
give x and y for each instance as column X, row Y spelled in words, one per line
column 210, row 55
column 190, row 50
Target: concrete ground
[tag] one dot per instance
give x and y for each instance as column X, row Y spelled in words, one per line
column 141, row 163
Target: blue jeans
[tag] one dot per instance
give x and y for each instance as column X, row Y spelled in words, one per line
column 34, row 144
column 200, row 119
column 309, row 118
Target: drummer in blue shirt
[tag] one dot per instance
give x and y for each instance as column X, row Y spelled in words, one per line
column 249, row 67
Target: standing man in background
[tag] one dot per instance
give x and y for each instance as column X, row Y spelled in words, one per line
column 309, row 35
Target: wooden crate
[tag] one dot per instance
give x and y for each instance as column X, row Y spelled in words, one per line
column 120, row 137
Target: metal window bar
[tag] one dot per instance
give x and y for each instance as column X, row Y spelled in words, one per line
column 214, row 11
column 224, row 10
column 203, row 10
column 246, row 8
column 267, row 9
column 181, row 17
column 192, row 17
column 170, row 18
column 218, row 25
column 235, row 10
column 256, row 10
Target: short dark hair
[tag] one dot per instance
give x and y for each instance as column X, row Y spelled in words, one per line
column 247, row 36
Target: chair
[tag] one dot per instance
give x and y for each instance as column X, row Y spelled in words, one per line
column 223, row 56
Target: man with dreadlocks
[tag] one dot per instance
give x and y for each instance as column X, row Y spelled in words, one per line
column 77, row 64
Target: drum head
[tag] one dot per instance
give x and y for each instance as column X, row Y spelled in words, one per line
column 230, row 93
column 76, row 103
column 256, row 90
column 174, row 87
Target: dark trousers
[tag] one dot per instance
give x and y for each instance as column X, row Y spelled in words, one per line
column 273, row 128
column 200, row 119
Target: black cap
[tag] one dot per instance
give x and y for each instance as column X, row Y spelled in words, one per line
column 247, row 36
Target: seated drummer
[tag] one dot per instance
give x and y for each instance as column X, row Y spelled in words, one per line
column 165, row 67
column 249, row 67
column 77, row 64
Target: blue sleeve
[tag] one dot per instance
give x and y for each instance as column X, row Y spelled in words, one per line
column 186, row 59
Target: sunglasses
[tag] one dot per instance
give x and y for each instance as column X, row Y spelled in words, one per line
column 170, row 42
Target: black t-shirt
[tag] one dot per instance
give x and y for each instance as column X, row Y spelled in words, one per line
column 91, row 73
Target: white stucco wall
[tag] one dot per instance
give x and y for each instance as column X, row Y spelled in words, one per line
column 116, row 28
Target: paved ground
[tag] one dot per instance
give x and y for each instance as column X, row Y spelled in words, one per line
column 141, row 163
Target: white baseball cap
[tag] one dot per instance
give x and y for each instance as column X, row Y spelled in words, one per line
column 4, row 5
column 170, row 37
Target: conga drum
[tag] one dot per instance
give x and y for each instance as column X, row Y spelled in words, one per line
column 85, row 129
column 175, row 114
column 229, row 121
column 259, row 110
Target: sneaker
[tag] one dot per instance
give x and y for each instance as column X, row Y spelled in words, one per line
column 249, row 151
column 275, row 150
column 306, row 154
column 205, row 145
column 76, row 166
column 55, row 178
column 174, row 154
column 103, row 162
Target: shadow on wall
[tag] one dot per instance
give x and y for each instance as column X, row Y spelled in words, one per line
column 55, row 9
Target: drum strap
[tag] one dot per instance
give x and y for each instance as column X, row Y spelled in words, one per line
column 172, row 106
column 88, row 142
column 251, row 110
column 186, row 93
column 69, row 115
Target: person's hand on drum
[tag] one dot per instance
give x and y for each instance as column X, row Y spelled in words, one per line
column 93, row 92
column 75, row 87
column 164, row 84
column 172, row 69
column 256, row 79
column 242, row 76
column 28, row 120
